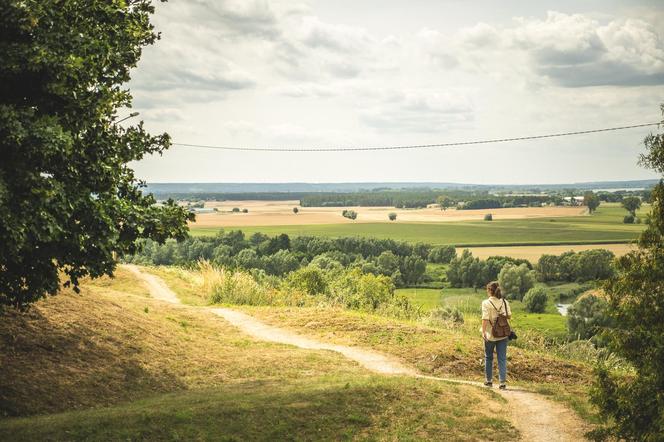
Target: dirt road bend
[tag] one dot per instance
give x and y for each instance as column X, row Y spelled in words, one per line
column 536, row 418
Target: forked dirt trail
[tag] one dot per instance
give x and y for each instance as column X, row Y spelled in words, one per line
column 536, row 418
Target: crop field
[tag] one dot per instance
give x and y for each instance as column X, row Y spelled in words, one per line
column 602, row 227
column 280, row 213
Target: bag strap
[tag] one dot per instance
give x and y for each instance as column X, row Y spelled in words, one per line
column 494, row 306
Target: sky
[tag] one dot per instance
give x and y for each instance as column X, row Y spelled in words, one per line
column 380, row 72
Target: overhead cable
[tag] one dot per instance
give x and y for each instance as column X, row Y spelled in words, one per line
column 412, row 146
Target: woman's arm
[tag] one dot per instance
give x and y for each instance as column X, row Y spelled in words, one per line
column 485, row 325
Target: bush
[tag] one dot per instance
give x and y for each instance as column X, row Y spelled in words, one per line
column 392, row 216
column 235, row 210
column 350, row 214
column 628, row 219
column 488, row 217
column 310, row 280
column 535, row 300
column 515, row 281
column 245, row 210
column 445, row 316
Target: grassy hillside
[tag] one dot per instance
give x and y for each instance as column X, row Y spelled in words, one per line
column 113, row 364
column 604, row 226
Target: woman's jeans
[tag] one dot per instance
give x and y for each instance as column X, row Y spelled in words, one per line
column 501, row 350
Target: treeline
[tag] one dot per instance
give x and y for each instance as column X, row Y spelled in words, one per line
column 517, row 276
column 403, row 262
column 421, row 198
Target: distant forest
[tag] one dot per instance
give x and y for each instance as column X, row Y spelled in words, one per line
column 409, row 198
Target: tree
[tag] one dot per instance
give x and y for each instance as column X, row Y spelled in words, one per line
column 535, row 300
column 488, row 217
column 442, row 254
column 444, row 202
column 591, row 200
column 587, row 316
column 515, row 281
column 295, row 210
column 634, row 404
column 631, row 204
column 392, row 216
column 69, row 202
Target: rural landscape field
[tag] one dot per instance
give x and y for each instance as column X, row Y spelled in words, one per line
column 299, row 221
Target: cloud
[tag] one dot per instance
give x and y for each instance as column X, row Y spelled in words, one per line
column 567, row 50
column 420, row 111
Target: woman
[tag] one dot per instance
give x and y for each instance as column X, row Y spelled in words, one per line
column 492, row 308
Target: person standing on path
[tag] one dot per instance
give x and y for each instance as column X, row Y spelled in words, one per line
column 495, row 332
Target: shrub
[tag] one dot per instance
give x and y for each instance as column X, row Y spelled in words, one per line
column 535, row 300
column 310, row 280
column 235, row 210
column 628, row 219
column 515, row 281
column 295, row 210
column 445, row 316
column 488, row 217
column 245, row 210
column 392, row 216
column 350, row 214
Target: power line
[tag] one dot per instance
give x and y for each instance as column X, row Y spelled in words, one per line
column 413, row 146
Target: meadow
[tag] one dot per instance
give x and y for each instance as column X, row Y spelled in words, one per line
column 602, row 227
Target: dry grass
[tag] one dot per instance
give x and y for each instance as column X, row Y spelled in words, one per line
column 76, row 351
column 437, row 351
column 105, row 365
column 533, row 253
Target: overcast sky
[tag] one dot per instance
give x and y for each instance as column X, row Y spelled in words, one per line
column 379, row 72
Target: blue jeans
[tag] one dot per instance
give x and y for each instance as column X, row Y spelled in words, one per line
column 501, row 350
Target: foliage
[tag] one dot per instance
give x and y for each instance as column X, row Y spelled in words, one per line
column 631, row 204
column 488, row 217
column 587, row 316
column 392, row 216
column 635, row 404
column 629, row 219
column 68, row 199
column 515, row 281
column 594, row 264
column 591, row 200
column 489, row 203
column 296, row 210
column 535, row 300
column 442, row 254
column 350, row 214
column 233, row 287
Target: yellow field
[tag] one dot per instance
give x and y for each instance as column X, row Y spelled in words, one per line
column 280, row 213
column 533, row 253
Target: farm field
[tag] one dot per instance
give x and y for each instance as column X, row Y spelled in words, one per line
column 533, row 253
column 280, row 213
column 602, row 227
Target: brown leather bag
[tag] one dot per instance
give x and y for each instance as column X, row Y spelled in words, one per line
column 501, row 327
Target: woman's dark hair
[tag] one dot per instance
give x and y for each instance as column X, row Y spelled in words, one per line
column 494, row 289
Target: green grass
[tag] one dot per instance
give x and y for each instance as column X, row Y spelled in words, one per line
column 550, row 323
column 326, row 408
column 604, row 226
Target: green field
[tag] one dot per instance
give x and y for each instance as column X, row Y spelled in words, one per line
column 604, row 226
column 467, row 300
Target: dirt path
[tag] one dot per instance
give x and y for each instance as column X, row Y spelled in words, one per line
column 536, row 418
